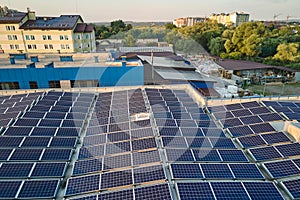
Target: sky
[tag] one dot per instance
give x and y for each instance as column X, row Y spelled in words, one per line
column 157, row 10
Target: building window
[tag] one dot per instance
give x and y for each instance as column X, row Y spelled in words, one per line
column 78, row 37
column 61, row 37
column 15, row 37
column 67, row 46
column 46, row 46
column 9, row 37
column 27, row 37
column 8, row 28
column 50, row 46
column 13, row 28
column 34, row 46
column 44, row 37
column 86, row 36
column 54, row 84
column 84, row 83
column 16, row 46
column 33, row 85
column 12, row 46
column 9, row 85
column 66, row 37
column 32, row 37
column 49, row 37
column 62, row 46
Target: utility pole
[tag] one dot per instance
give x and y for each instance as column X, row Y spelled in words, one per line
column 152, row 67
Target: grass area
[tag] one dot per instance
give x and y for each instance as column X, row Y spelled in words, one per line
column 275, row 90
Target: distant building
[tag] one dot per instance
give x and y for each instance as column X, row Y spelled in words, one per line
column 227, row 19
column 24, row 32
column 188, row 21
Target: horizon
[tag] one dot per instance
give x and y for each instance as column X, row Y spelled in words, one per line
column 158, row 11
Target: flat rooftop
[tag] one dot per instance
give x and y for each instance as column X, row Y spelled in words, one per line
column 79, row 60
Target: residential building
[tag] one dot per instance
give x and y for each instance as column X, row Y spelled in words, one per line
column 188, row 21
column 24, row 32
column 229, row 19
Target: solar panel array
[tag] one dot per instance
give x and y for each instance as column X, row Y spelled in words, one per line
column 119, row 156
column 38, row 142
column 144, row 144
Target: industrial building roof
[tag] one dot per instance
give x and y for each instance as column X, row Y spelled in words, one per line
column 166, row 62
column 145, row 49
column 248, row 65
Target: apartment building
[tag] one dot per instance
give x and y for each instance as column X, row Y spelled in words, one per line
column 230, row 19
column 188, row 21
column 27, row 33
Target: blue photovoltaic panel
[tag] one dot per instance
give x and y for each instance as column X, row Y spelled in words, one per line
column 262, row 128
column 229, row 190
column 289, row 149
column 94, row 140
column 50, row 122
column 157, row 192
column 251, row 141
column 4, row 153
column 262, row 190
column 293, row 188
column 234, row 106
column 194, row 191
column 277, row 137
column 119, row 195
column 57, row 154
column 36, row 142
column 241, row 113
column 215, row 109
column 48, row 170
column 116, row 148
column 233, row 156
column 245, row 171
column 251, row 104
column 251, row 120
column 288, row 104
column 270, row 117
column 116, row 179
column 87, row 166
column 26, row 154
column 148, row 174
column 10, row 141
column 231, row 122
column 186, row 123
column 271, row 103
column 55, row 115
column 26, row 122
column 265, row 153
column 179, row 155
column 9, row 189
column 282, row 169
column 292, row 116
column 206, row 124
column 223, row 115
column 213, row 132
column 222, row 143
column 197, row 132
column 145, row 157
column 240, row 131
column 174, row 142
column 165, row 122
column 81, row 185
column 118, row 136
column 169, row 131
column 118, row 161
column 89, row 152
column 18, row 131
column 216, row 171
column 68, row 132
column 143, row 144
column 39, row 131
column 11, row 170
column 198, row 142
column 183, row 171
column 39, row 189
column 63, row 142
column 259, row 110
column 206, row 155
column 72, row 123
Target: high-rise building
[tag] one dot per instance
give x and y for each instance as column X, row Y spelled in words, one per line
column 24, row 32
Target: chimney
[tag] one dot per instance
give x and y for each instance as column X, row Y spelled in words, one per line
column 31, row 14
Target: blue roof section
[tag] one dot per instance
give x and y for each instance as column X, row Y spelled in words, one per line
column 64, row 22
column 14, row 17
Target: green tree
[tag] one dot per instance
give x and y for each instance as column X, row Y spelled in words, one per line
column 117, row 26
column 129, row 41
column 216, row 46
column 169, row 26
column 287, row 52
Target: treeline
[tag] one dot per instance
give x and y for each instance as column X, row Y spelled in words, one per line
column 104, row 32
column 249, row 41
